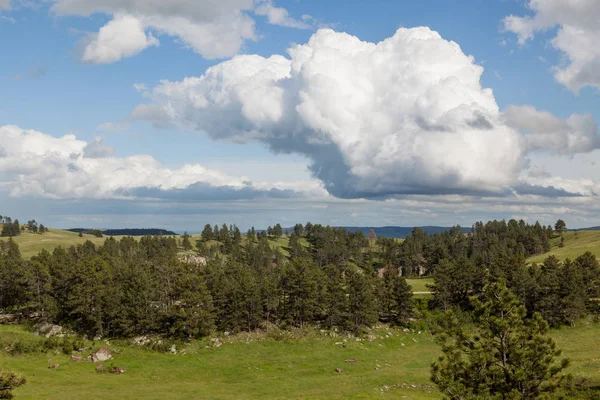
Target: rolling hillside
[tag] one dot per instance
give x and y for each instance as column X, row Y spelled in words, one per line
column 576, row 243
column 31, row 244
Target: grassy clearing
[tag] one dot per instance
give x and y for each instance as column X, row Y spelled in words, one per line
column 31, row 244
column 576, row 243
column 268, row 369
column 419, row 284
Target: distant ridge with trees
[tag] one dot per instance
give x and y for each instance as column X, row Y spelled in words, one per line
column 400, row 232
column 128, row 232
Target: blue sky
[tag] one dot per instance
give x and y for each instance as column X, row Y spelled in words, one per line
column 62, row 75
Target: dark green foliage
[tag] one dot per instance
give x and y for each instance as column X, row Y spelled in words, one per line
column 277, row 231
column 562, row 292
column 362, row 308
column 395, row 298
column 560, row 226
column 299, row 230
column 96, row 232
column 504, row 356
column 455, row 282
column 13, row 284
column 128, row 287
column 185, row 241
column 207, row 233
column 8, row 382
column 10, row 228
column 299, row 287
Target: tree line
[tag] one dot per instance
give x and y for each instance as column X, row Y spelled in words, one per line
column 129, row 287
column 12, row 228
column 328, row 276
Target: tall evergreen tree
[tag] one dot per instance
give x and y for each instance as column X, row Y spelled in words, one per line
column 207, row 233
column 362, row 308
column 185, row 241
column 506, row 356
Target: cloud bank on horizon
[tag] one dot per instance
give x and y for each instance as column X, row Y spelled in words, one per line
column 36, row 164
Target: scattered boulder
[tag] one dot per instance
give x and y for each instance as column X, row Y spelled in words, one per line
column 193, row 259
column 102, row 355
column 351, row 360
column 52, row 366
column 173, row 349
column 76, row 358
column 217, row 342
column 141, row 340
column 338, row 370
column 48, row 330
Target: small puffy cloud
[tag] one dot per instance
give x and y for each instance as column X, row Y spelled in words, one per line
column 214, row 29
column 140, row 87
column 546, row 132
column 577, row 37
column 280, row 16
column 39, row 165
column 124, row 36
column 406, row 115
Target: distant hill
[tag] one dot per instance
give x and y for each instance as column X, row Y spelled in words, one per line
column 400, row 231
column 129, row 232
column 576, row 243
column 593, row 228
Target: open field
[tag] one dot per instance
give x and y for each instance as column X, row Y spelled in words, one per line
column 576, row 243
column 31, row 244
column 268, row 369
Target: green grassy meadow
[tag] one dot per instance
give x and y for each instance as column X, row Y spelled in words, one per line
column 419, row 284
column 267, row 369
column 31, row 244
column 576, row 243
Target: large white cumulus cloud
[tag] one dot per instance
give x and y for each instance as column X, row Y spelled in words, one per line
column 212, row 28
column 577, row 37
column 406, row 115
column 36, row 164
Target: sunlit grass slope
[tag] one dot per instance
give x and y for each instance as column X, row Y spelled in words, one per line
column 576, row 243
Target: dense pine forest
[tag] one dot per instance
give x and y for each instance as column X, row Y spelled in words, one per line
column 329, row 277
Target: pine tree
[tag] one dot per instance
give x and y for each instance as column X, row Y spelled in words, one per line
column 560, row 226
column 362, row 308
column 334, row 299
column 504, row 356
column 207, row 233
column 299, row 230
column 186, row 243
column 395, row 297
column 300, row 290
column 277, row 231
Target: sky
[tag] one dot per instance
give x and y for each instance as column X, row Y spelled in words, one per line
column 178, row 113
